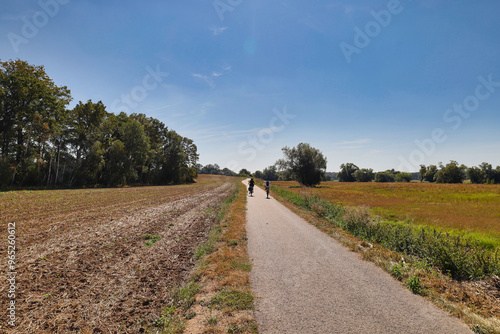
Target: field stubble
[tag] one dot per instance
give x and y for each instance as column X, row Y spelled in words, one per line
column 84, row 264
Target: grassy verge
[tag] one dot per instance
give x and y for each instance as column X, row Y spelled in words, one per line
column 430, row 262
column 218, row 298
column 462, row 256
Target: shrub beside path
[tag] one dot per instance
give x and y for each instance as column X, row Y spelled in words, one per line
column 306, row 282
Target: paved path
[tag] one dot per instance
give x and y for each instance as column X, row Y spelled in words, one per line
column 305, row 282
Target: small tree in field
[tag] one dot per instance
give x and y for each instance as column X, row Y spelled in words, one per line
column 304, row 163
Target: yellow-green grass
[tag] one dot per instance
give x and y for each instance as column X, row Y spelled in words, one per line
column 464, row 207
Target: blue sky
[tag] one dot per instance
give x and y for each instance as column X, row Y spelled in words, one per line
column 382, row 84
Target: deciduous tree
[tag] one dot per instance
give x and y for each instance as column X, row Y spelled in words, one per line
column 451, row 173
column 347, row 171
column 305, row 164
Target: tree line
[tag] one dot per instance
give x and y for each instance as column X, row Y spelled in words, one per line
column 43, row 143
column 449, row 173
column 307, row 165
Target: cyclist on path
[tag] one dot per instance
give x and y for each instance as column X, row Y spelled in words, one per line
column 250, row 186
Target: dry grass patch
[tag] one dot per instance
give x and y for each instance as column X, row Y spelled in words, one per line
column 225, row 301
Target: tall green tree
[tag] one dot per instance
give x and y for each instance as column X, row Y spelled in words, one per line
column 84, row 129
column 43, row 143
column 475, row 175
column 115, row 171
column 32, row 110
column 428, row 173
column 451, row 173
column 347, row 171
column 304, row 163
column 488, row 172
column 137, row 150
column 178, row 166
column 421, row 173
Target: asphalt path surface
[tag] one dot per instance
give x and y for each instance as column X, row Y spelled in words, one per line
column 306, row 282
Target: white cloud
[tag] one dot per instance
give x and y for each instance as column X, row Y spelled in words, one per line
column 215, row 74
column 218, row 30
column 205, row 78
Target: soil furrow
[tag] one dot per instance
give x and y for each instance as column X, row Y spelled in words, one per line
column 101, row 276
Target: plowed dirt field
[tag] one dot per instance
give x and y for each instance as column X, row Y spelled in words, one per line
column 103, row 260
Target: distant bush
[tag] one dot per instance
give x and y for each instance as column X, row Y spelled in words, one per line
column 364, row 175
column 403, row 177
column 347, row 171
column 386, row 176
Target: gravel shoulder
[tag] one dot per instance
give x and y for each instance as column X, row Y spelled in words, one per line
column 306, row 282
